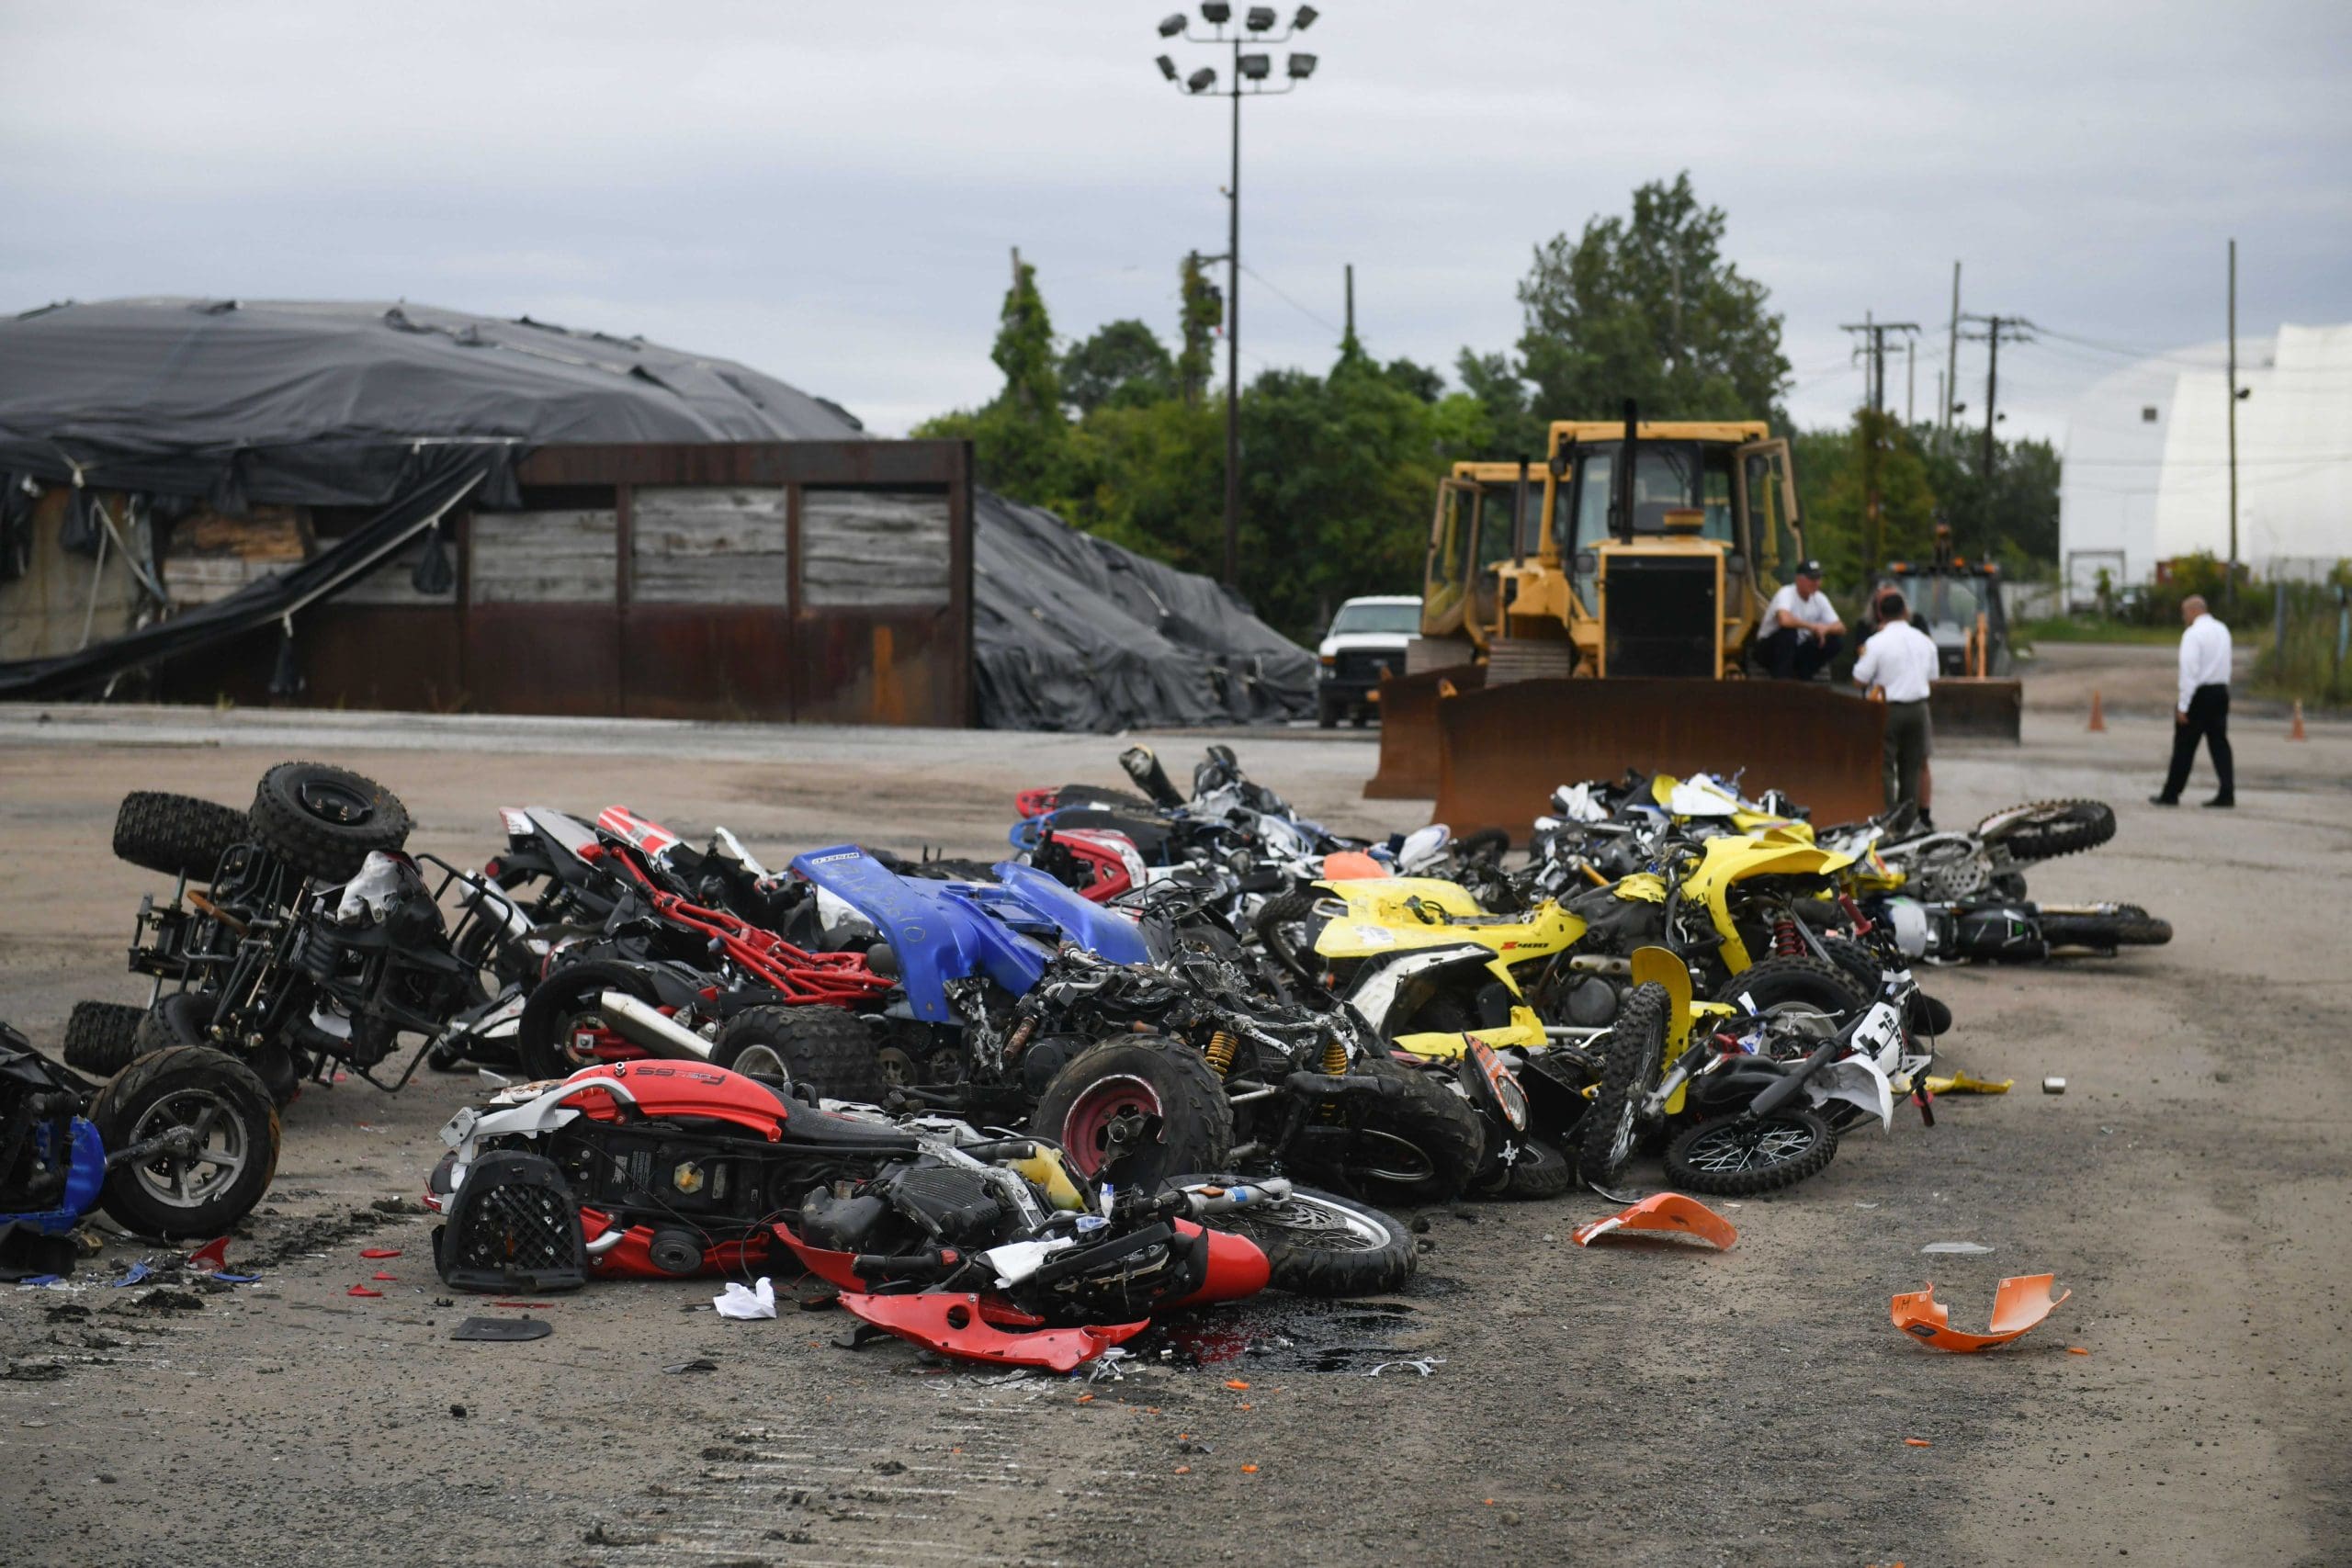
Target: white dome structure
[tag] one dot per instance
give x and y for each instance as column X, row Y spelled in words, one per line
column 2147, row 461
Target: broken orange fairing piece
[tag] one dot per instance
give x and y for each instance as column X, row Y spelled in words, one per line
column 1670, row 1211
column 2020, row 1302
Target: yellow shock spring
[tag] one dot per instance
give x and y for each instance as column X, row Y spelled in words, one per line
column 1220, row 1051
column 1335, row 1056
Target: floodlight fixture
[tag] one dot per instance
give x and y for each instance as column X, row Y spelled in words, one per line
column 1201, row 81
column 1168, row 68
column 1259, row 18
column 1301, row 66
column 1172, row 25
column 1305, row 19
column 1254, row 67
column 1216, row 13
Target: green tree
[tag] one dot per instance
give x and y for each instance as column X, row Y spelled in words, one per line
column 2022, row 529
column 1124, row 362
column 1200, row 313
column 1511, row 426
column 1021, row 438
column 1647, row 307
column 1834, row 473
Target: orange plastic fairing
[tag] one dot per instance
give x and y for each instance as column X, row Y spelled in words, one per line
column 2017, row 1305
column 1668, row 1211
column 1352, row 865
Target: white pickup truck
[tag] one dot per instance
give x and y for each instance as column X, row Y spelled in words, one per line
column 1366, row 641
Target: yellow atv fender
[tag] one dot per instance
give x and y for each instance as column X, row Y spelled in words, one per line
column 1379, row 919
column 1729, row 860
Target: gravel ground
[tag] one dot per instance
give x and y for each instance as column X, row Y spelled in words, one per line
column 1638, row 1403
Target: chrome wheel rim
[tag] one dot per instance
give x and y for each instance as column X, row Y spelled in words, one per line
column 192, row 1179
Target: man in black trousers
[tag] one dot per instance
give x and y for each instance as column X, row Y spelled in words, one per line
column 2202, row 712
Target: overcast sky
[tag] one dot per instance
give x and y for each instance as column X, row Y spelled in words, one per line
column 830, row 192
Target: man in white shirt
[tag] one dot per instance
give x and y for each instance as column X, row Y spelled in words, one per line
column 1802, row 633
column 2202, row 709
column 1900, row 659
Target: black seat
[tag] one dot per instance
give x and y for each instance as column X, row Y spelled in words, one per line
column 807, row 1124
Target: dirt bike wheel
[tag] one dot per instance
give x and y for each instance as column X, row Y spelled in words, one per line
column 1779, row 984
column 2137, row 928
column 178, row 835
column 185, row 1018
column 565, row 1003
column 1630, row 1068
column 1424, row 1145
column 2047, row 829
column 324, row 822
column 100, row 1037
column 1318, row 1244
column 201, row 1193
column 1925, row 1014
column 1147, row 1074
column 828, row 1050
column 2129, row 926
column 1731, row 1157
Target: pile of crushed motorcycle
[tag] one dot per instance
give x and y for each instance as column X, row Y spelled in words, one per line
column 1178, row 1047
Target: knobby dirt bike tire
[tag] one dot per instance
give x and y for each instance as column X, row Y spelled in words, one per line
column 828, row 1050
column 1540, row 1171
column 316, row 845
column 1819, row 1147
column 1630, row 1068
column 1432, row 1119
column 1824, row 986
column 2047, row 828
column 1925, row 1014
column 178, row 835
column 2129, row 926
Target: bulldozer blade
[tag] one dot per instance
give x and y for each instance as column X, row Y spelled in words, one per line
column 1409, row 731
column 1977, row 706
column 1502, row 751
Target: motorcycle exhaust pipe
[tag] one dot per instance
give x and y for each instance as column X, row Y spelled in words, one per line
column 639, row 1024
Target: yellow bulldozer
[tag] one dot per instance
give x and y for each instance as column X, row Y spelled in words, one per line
column 1595, row 612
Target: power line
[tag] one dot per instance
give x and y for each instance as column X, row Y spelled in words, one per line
column 1323, row 321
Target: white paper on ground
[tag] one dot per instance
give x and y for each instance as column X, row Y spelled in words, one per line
column 745, row 1305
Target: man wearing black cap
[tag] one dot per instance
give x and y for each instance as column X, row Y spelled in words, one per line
column 1802, row 633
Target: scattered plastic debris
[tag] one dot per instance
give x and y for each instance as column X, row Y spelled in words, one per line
column 2020, row 1303
column 1917, row 1443
column 1961, row 1083
column 699, row 1364
column 374, row 1252
column 1425, row 1365
column 382, row 1276
column 2053, row 1086
column 211, row 1257
column 744, row 1305
column 1668, row 1211
column 1957, row 1248
column 135, row 1274
column 362, row 1291
column 501, row 1330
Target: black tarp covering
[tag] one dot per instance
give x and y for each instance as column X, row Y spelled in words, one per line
column 240, row 403
column 1071, row 632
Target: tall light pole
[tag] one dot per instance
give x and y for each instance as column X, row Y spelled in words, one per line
column 1250, row 78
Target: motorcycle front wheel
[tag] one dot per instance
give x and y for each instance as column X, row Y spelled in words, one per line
column 1318, row 1244
column 1740, row 1156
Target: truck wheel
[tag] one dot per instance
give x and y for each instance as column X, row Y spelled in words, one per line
column 324, row 822
column 1327, row 711
column 178, row 835
column 202, row 1189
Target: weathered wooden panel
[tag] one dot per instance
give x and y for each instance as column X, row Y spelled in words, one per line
column 873, row 546
column 716, row 545
column 543, row 558
column 211, row 557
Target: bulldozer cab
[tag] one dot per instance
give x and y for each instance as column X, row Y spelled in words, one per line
column 1670, row 556
column 1477, row 531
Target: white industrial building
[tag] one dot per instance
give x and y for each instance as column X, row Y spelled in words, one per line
column 2147, row 461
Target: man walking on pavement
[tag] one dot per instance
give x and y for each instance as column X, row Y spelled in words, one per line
column 2202, row 712
column 1900, row 659
column 1802, row 633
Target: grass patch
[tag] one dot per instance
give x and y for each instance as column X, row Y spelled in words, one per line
column 2091, row 629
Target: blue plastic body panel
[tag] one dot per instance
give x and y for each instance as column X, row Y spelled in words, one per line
column 85, row 1173
column 938, row 935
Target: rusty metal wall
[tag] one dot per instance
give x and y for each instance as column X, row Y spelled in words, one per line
column 586, row 651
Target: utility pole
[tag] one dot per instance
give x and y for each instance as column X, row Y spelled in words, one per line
column 2230, row 582
column 1951, row 352
column 1910, row 379
column 1873, row 345
column 1251, row 73
column 1351, row 301
column 2018, row 329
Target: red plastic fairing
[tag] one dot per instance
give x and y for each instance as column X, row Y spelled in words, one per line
column 1236, row 1267
column 664, row 1088
column 650, row 837
column 632, row 1257
column 1110, row 859
column 833, row 1267
column 1037, row 802
column 953, row 1324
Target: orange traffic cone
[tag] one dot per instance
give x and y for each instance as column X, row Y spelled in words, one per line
column 2099, row 719
column 2295, row 731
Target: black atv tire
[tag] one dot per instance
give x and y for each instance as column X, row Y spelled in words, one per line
column 1148, row 1073
column 1447, row 1140
column 563, row 998
column 1805, row 982
column 1925, row 1014
column 1729, row 1157
column 1317, row 1243
column 178, row 835
column 101, row 1037
column 2129, row 926
column 162, row 1089
column 1631, row 1066
column 827, row 1050
column 185, row 1018
column 1275, row 917
column 1327, row 711
column 2051, row 828
column 324, row 822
